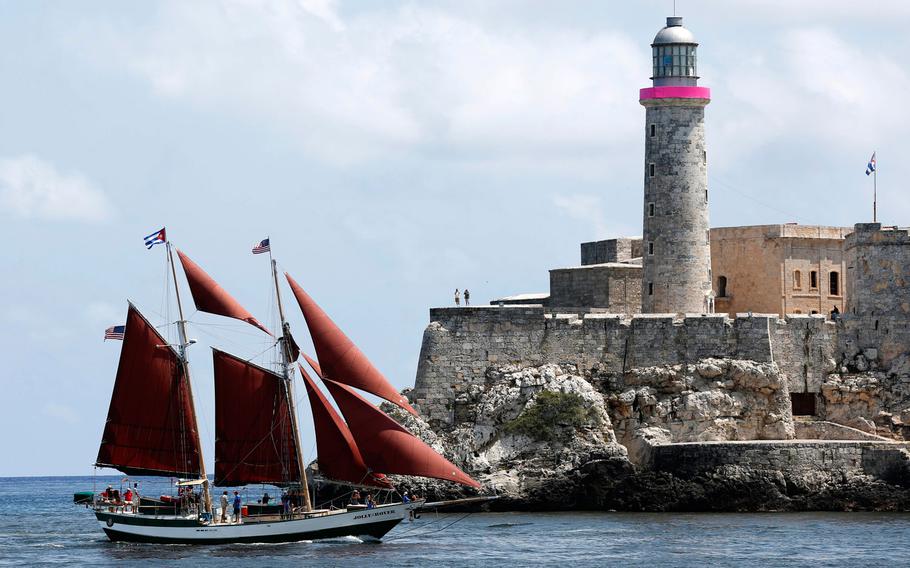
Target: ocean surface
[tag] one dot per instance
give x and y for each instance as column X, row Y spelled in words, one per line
column 39, row 526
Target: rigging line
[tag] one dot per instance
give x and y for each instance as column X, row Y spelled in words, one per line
column 458, row 520
column 739, row 192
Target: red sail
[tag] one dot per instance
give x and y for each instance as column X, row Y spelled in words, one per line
column 339, row 458
column 386, row 445
column 151, row 423
column 314, row 364
column 340, row 359
column 210, row 297
column 254, row 436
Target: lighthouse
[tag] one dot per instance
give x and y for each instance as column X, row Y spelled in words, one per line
column 676, row 254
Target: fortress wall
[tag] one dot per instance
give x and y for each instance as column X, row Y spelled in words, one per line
column 460, row 344
column 805, row 350
column 879, row 459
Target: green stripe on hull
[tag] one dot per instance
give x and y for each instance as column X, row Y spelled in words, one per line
column 376, row 530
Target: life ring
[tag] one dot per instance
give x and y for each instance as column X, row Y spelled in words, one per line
column 110, row 522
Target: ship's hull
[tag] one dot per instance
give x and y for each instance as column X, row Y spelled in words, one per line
column 366, row 523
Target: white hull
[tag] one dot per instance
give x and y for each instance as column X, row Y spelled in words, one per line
column 364, row 523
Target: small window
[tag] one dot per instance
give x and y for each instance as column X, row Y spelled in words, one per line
column 813, row 280
column 797, row 280
column 814, row 312
column 651, row 170
column 834, row 284
column 722, row 286
column 650, row 288
column 650, row 209
column 797, row 311
column 706, row 195
column 653, row 130
column 650, row 248
column 803, row 403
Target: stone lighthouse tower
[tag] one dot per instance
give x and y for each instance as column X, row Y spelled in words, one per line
column 676, row 253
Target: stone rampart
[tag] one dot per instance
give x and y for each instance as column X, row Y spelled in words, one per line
column 460, row 344
column 848, row 458
column 805, row 350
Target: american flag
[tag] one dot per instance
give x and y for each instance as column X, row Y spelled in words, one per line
column 114, row 332
column 262, row 247
column 156, row 238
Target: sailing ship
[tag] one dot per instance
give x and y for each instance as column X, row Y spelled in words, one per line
column 151, row 430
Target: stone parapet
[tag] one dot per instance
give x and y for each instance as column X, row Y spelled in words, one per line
column 853, row 457
column 460, row 344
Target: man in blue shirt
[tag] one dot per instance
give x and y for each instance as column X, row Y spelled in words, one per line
column 237, row 504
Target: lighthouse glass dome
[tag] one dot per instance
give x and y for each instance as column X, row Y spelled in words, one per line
column 673, row 55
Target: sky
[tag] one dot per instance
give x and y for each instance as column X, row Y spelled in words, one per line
column 392, row 151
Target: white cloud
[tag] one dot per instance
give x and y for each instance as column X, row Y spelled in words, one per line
column 811, row 86
column 60, row 412
column 588, row 209
column 103, row 313
column 33, row 188
column 394, row 80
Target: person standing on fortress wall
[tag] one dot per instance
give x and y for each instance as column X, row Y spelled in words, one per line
column 467, row 297
column 835, row 313
column 457, row 297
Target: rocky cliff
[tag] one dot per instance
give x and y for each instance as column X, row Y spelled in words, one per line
column 673, row 437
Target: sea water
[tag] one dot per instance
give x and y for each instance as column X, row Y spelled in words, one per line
column 39, row 526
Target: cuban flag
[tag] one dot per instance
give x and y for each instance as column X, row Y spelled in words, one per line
column 156, row 238
column 871, row 167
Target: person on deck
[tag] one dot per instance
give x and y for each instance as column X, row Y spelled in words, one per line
column 265, row 498
column 285, row 505
column 128, row 500
column 237, row 503
column 467, row 297
column 370, row 503
column 136, row 497
column 457, row 297
column 224, row 507
column 405, row 498
column 355, row 497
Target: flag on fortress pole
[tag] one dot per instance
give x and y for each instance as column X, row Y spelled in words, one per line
column 870, row 169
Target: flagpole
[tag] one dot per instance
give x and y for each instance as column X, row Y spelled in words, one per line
column 875, row 193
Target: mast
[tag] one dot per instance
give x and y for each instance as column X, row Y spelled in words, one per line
column 181, row 330
column 288, row 372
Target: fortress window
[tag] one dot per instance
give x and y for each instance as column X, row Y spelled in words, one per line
column 813, row 280
column 797, row 280
column 706, row 195
column 650, row 248
column 651, row 170
column 650, row 209
column 834, row 284
column 802, row 403
column 650, row 288
column 653, row 130
column 721, row 286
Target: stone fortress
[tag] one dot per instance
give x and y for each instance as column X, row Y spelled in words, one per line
column 690, row 368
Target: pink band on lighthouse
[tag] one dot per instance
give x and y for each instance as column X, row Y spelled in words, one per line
column 675, row 92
